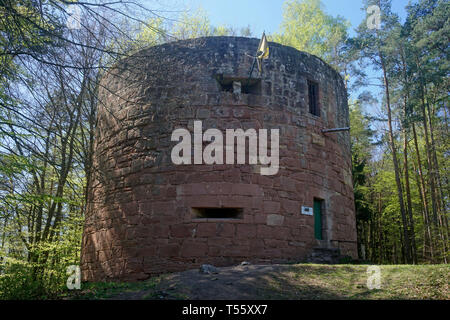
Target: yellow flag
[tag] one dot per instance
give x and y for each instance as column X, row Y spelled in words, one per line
column 263, row 49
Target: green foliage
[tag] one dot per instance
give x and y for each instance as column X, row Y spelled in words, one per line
column 18, row 281
column 306, row 27
column 222, row 31
column 21, row 279
column 153, row 33
column 194, row 25
column 404, row 189
column 45, row 276
column 41, row 190
column 23, row 30
column 360, row 135
column 188, row 25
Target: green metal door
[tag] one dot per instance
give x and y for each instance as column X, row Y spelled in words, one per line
column 318, row 219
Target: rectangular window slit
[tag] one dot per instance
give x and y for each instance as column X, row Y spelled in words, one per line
column 252, row 87
column 239, row 84
column 313, row 98
column 217, row 213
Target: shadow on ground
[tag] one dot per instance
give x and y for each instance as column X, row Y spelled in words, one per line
column 275, row 282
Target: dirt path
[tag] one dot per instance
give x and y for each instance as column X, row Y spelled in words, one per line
column 237, row 282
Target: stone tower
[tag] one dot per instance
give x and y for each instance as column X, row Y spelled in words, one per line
column 147, row 215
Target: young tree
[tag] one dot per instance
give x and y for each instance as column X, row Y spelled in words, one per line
column 307, row 27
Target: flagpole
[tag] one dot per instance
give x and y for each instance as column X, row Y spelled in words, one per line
column 251, row 71
column 254, row 60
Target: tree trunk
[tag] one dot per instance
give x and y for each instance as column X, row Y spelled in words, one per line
column 423, row 193
column 412, row 233
column 395, row 162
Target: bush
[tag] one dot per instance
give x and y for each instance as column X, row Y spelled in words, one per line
column 20, row 280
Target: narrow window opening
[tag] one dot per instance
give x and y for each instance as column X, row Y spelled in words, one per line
column 217, row 213
column 251, row 87
column 313, row 97
column 239, row 85
column 227, row 87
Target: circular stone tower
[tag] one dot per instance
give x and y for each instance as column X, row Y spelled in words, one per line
column 147, row 215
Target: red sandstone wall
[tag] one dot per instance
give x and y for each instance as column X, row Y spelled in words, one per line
column 139, row 220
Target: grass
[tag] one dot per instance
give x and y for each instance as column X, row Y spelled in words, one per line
column 312, row 281
column 304, row 281
column 107, row 290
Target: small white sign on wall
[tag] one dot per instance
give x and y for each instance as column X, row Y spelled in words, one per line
column 307, row 210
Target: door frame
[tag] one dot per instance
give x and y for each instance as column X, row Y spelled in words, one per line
column 318, row 210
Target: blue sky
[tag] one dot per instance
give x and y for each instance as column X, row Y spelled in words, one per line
column 267, row 14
